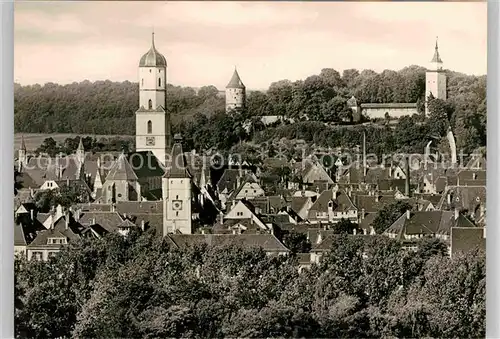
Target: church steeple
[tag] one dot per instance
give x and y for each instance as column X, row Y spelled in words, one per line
column 80, row 152
column 436, row 62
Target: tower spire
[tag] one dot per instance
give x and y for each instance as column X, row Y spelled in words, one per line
column 153, row 37
column 436, row 58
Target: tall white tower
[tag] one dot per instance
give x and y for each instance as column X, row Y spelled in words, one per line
column 176, row 189
column 435, row 79
column 153, row 127
column 235, row 93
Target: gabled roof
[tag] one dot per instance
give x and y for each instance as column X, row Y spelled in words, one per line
column 121, row 170
column 427, row 223
column 267, row 242
column 145, row 164
column 108, row 220
column 235, row 81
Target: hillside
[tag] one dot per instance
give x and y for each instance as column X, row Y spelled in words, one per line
column 106, row 107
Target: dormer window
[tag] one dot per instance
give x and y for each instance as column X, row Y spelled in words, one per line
column 56, row 241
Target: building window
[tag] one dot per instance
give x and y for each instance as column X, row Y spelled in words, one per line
column 159, row 82
column 37, row 255
column 142, row 82
column 150, row 70
column 150, row 126
column 177, row 214
column 52, row 254
column 150, row 104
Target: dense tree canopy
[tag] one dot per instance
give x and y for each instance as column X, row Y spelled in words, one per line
column 106, row 107
column 136, row 286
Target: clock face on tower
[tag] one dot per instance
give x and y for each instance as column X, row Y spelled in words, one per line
column 177, row 205
column 150, row 141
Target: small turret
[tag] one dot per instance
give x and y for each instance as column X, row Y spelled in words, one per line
column 235, row 93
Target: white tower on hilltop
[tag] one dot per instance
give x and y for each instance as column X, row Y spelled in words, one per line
column 435, row 80
column 176, row 189
column 235, row 93
column 153, row 128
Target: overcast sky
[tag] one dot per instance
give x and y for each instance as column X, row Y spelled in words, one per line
column 64, row 42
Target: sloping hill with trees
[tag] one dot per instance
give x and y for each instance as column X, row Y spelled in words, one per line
column 106, row 107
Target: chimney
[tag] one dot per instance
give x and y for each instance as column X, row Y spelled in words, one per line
column 32, row 193
column 93, row 221
column 377, row 197
column 77, row 214
column 202, row 231
column 142, row 225
column 449, row 198
column 221, row 215
column 362, row 213
column 390, row 170
column 456, row 213
column 32, row 214
column 66, row 219
column 124, row 215
column 234, row 231
column 408, row 214
column 113, row 208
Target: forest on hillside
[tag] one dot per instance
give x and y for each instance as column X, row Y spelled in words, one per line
column 106, row 107
column 140, row 287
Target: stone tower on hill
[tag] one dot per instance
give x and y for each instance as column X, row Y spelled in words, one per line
column 435, row 79
column 235, row 93
column 153, row 126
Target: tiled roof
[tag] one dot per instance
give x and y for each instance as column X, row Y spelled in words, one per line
column 121, row 170
column 135, row 207
column 463, row 197
column 369, row 202
column 41, row 169
column 267, row 242
column 427, row 223
column 298, row 203
column 177, row 167
column 145, row 164
column 390, row 105
column 467, row 239
column 235, row 81
column 108, row 220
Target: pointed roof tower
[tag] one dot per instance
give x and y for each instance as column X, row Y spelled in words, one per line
column 235, row 81
column 153, row 58
column 121, row 170
column 178, row 167
column 80, row 146
column 436, row 59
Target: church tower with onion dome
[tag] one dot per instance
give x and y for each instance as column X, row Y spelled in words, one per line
column 153, row 126
column 235, row 93
column 435, row 79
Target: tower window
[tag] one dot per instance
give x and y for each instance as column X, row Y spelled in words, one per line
column 150, row 104
column 159, row 82
column 149, row 70
column 150, row 126
column 142, row 82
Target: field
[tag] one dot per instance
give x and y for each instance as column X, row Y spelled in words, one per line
column 33, row 140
